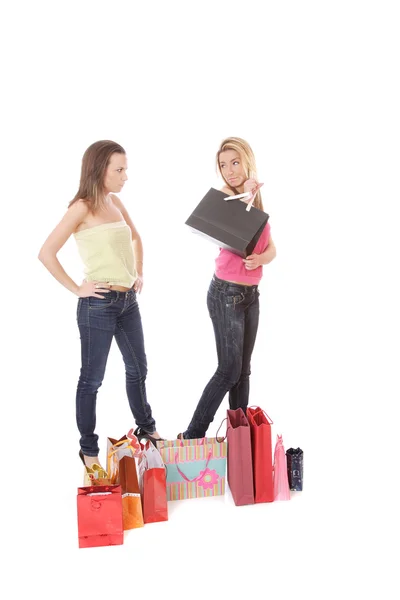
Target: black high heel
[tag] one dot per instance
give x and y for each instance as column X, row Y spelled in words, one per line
column 142, row 434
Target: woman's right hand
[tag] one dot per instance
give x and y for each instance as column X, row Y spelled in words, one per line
column 93, row 288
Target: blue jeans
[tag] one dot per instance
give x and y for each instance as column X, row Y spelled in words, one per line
column 234, row 311
column 99, row 320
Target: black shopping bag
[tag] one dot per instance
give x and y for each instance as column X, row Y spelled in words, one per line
column 227, row 223
column 294, row 461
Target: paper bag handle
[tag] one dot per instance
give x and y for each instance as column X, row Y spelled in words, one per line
column 198, row 476
column 130, row 437
column 216, row 435
column 261, row 410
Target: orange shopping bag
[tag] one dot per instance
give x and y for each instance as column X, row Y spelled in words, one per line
column 131, row 501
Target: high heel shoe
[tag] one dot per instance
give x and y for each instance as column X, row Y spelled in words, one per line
column 142, row 434
column 94, row 475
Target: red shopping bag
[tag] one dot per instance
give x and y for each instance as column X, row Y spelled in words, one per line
column 260, row 426
column 240, row 467
column 153, row 484
column 100, row 516
column 155, row 506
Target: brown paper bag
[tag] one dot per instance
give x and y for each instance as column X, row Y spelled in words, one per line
column 116, row 449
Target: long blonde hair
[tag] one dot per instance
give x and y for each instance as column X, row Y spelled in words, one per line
column 94, row 164
column 248, row 159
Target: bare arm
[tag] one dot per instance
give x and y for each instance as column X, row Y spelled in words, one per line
column 56, row 240
column 136, row 239
column 269, row 254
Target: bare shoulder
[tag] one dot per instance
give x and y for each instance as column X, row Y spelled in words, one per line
column 78, row 209
column 227, row 191
column 116, row 201
column 69, row 224
column 76, row 215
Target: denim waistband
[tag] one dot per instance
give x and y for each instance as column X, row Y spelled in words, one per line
column 221, row 284
column 116, row 294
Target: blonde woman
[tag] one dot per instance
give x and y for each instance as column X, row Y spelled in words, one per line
column 112, row 253
column 233, row 296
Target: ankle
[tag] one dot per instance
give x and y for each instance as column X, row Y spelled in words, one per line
column 91, row 460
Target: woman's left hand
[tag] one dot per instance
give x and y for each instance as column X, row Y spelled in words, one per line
column 138, row 285
column 252, row 262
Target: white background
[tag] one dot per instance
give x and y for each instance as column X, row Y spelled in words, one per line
column 314, row 88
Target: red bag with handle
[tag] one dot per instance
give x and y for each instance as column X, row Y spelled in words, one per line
column 153, row 485
column 260, row 426
column 155, row 506
column 240, row 468
column 100, row 516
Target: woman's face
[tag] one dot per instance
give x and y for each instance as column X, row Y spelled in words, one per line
column 116, row 176
column 232, row 169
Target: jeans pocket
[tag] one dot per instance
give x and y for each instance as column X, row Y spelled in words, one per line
column 232, row 300
column 132, row 298
column 100, row 303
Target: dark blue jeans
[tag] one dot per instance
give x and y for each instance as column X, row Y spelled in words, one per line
column 234, row 311
column 99, row 321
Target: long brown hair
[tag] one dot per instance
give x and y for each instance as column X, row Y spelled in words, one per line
column 94, row 164
column 248, row 160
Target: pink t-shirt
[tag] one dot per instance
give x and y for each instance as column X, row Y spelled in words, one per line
column 231, row 267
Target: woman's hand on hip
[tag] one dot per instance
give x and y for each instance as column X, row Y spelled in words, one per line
column 138, row 285
column 93, row 288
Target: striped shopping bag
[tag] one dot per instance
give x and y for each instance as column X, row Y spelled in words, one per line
column 195, row 468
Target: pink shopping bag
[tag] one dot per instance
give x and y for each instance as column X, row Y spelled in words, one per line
column 281, row 482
